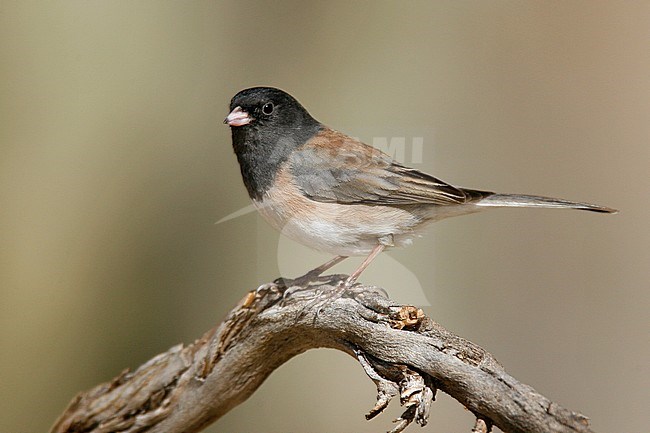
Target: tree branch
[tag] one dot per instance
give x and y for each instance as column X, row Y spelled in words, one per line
column 405, row 353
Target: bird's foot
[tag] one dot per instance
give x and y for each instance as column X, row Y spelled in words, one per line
column 309, row 285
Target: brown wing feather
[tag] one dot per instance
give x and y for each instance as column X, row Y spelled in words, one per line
column 335, row 168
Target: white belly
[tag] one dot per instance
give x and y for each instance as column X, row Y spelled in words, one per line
column 346, row 230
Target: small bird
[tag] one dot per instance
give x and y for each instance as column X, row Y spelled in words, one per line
column 333, row 193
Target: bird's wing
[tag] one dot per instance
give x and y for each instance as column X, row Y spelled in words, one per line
column 335, row 168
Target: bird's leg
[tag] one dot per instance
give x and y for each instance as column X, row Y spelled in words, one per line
column 337, row 291
column 362, row 267
column 316, row 272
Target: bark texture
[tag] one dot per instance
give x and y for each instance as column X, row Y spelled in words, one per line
column 405, row 353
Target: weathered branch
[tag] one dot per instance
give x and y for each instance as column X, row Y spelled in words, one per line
column 404, row 352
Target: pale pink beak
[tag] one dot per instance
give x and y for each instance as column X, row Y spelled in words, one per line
column 237, row 117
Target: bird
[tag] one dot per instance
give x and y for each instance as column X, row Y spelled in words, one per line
column 333, row 193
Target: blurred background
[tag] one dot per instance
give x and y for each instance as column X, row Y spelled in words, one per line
column 115, row 167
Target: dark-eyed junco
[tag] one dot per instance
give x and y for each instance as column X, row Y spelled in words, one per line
column 333, row 193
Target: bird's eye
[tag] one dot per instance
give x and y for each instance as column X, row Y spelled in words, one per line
column 268, row 108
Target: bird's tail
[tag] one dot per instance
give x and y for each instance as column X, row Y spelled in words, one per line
column 518, row 200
